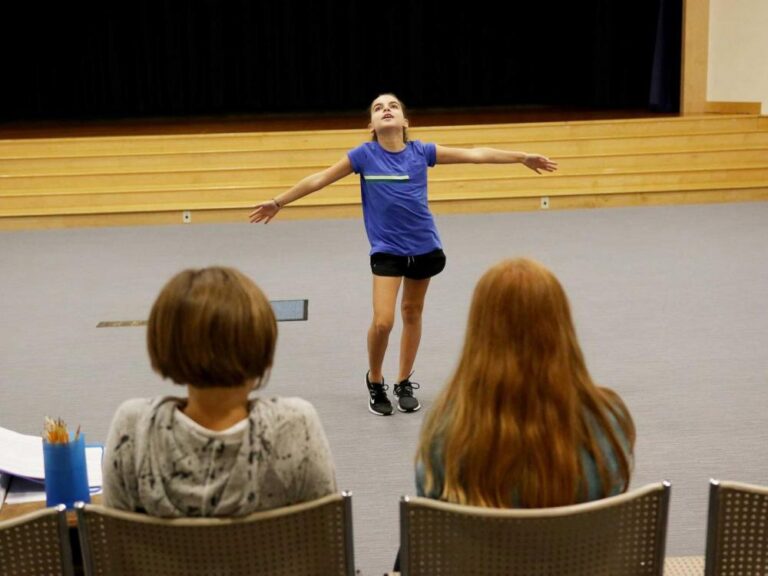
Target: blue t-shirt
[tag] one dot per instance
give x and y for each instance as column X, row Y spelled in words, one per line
column 394, row 192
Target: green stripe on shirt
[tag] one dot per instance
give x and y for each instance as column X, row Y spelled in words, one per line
column 386, row 177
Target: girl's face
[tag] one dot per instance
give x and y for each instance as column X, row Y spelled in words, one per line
column 387, row 114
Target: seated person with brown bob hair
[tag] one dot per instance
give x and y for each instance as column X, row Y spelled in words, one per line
column 219, row 451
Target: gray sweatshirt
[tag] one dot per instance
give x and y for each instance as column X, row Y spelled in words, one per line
column 159, row 461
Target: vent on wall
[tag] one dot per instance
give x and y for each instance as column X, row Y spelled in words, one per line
column 285, row 311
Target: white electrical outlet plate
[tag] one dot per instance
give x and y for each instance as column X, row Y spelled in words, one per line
column 186, row 216
column 544, row 202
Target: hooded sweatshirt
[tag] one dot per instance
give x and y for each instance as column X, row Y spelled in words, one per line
column 161, row 462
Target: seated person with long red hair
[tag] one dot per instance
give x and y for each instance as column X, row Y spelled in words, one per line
column 521, row 424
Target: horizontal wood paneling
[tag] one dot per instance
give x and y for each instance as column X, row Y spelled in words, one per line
column 151, row 179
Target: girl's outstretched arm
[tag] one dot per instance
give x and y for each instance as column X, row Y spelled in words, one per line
column 312, row 183
column 535, row 162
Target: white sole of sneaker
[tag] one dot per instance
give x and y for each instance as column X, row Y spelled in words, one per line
column 372, row 411
column 407, row 411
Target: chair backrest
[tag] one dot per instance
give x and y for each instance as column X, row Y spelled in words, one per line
column 309, row 538
column 36, row 543
column 619, row 536
column 737, row 530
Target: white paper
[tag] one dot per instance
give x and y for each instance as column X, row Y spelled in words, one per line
column 93, row 456
column 22, row 490
column 21, row 455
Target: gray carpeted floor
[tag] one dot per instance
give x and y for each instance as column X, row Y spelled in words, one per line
column 670, row 305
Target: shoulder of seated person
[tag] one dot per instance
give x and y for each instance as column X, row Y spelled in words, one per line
column 292, row 404
column 135, row 407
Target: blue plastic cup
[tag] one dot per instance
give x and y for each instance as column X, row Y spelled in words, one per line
column 66, row 474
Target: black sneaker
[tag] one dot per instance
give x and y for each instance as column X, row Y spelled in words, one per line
column 378, row 403
column 406, row 401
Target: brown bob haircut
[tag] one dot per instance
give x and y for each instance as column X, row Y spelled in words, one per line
column 212, row 327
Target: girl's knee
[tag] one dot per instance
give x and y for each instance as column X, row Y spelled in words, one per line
column 383, row 326
column 411, row 313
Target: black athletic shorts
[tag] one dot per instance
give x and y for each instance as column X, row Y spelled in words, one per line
column 413, row 267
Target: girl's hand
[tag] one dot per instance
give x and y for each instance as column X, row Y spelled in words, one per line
column 537, row 163
column 264, row 211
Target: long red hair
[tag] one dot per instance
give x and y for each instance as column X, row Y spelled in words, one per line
column 512, row 422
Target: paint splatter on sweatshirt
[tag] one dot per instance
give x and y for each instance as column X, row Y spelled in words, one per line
column 159, row 461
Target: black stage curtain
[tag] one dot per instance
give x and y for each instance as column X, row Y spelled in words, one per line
column 215, row 57
column 667, row 58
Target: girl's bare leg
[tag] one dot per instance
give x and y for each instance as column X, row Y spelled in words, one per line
column 411, row 307
column 385, row 289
